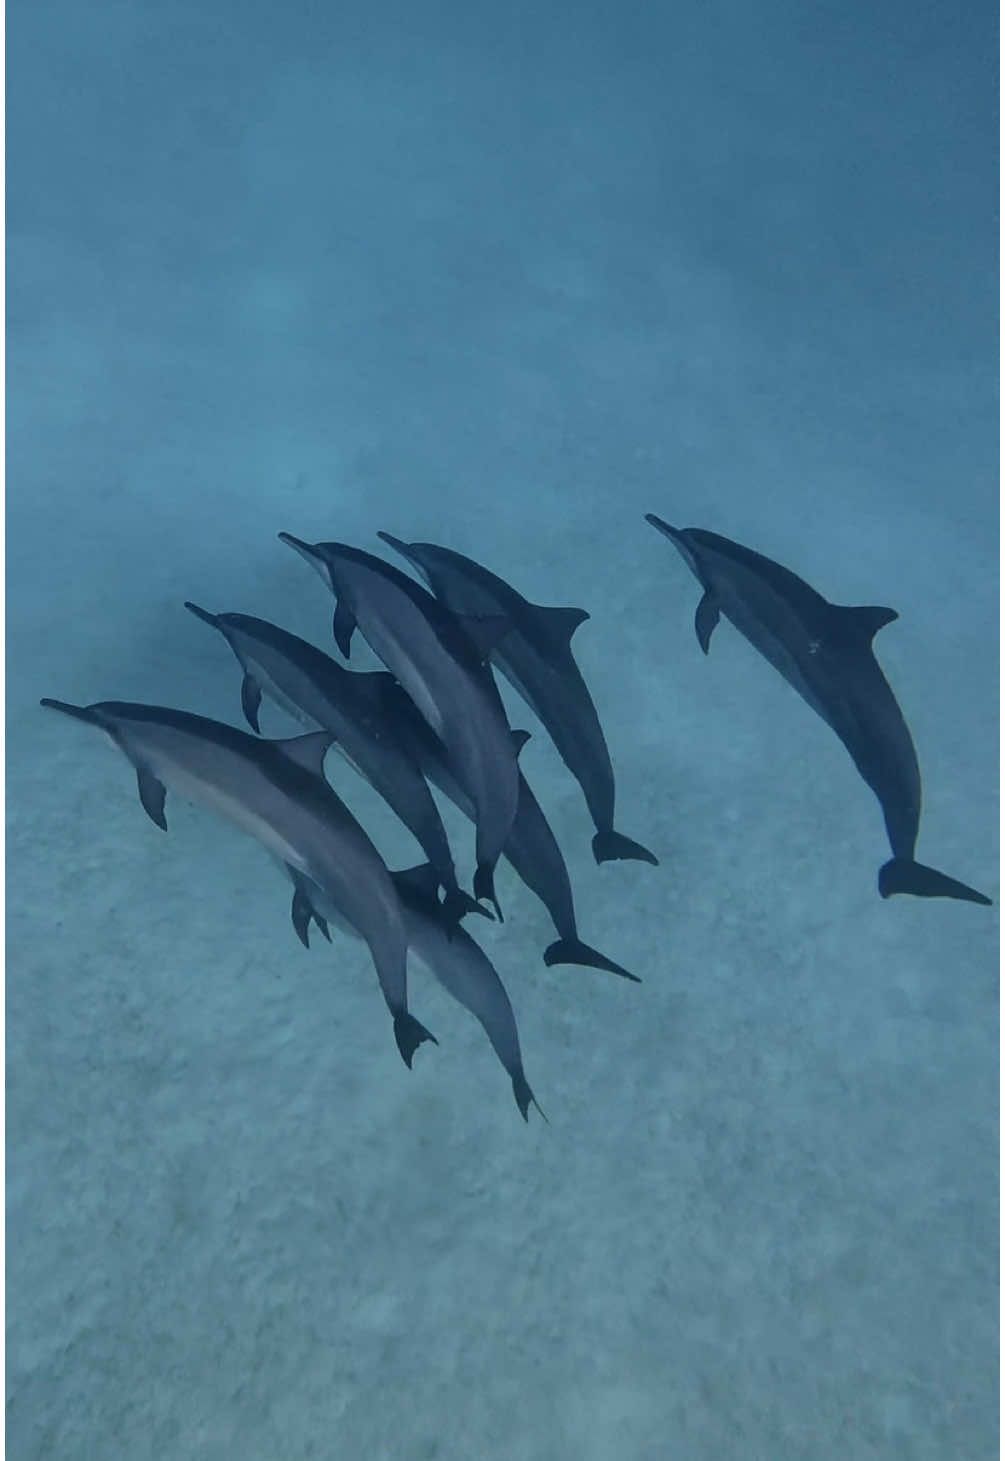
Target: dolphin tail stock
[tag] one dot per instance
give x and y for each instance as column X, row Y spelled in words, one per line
column 409, row 1035
column 903, row 875
column 611, row 846
column 574, row 951
column 525, row 1097
column 485, row 887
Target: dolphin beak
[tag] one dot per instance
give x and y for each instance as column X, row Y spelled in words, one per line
column 306, row 550
column 677, row 536
column 312, row 554
column 663, row 527
column 203, row 614
column 79, row 712
column 405, row 549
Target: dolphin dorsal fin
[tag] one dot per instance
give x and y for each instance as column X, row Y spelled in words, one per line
column 857, row 624
column 563, row 623
column 307, row 752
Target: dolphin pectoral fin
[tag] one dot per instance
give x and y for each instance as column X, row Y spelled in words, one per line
column 152, row 794
column 409, row 1035
column 303, row 910
column 303, row 913
column 706, row 617
column 901, row 875
column 251, row 700
column 343, row 625
column 574, row 951
column 611, row 846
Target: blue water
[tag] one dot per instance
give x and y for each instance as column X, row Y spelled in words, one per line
column 505, row 278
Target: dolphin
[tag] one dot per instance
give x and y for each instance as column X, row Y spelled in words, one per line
column 276, row 790
column 442, row 667
column 531, row 848
column 452, row 957
column 535, row 655
column 825, row 653
column 317, row 691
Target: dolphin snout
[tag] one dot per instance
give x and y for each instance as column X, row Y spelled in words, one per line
column 78, row 712
column 307, row 549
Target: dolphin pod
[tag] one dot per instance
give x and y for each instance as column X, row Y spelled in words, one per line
column 441, row 667
column 535, row 655
column 434, row 717
column 315, row 689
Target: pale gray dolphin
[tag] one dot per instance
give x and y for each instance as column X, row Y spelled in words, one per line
column 825, row 653
column 276, row 791
column 451, row 956
column 531, row 848
column 442, row 668
column 535, row 655
column 316, row 690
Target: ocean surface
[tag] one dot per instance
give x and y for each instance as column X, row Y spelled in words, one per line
column 504, row 278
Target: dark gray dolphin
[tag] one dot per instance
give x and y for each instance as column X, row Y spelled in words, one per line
column 276, row 790
column 824, row 651
column 535, row 655
column 317, row 691
column 531, row 848
column 454, row 959
column 442, row 669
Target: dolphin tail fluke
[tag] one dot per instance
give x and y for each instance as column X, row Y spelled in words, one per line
column 410, row 1035
column 611, row 846
column 901, row 875
column 525, row 1097
column 457, row 905
column 485, row 887
column 574, row 951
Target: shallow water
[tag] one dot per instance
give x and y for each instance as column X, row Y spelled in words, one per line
column 507, row 283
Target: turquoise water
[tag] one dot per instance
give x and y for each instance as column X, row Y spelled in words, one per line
column 504, row 278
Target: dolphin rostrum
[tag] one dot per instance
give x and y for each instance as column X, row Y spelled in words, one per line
column 452, row 957
column 825, row 653
column 276, row 790
column 535, row 655
column 442, row 668
column 531, row 848
column 319, row 692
